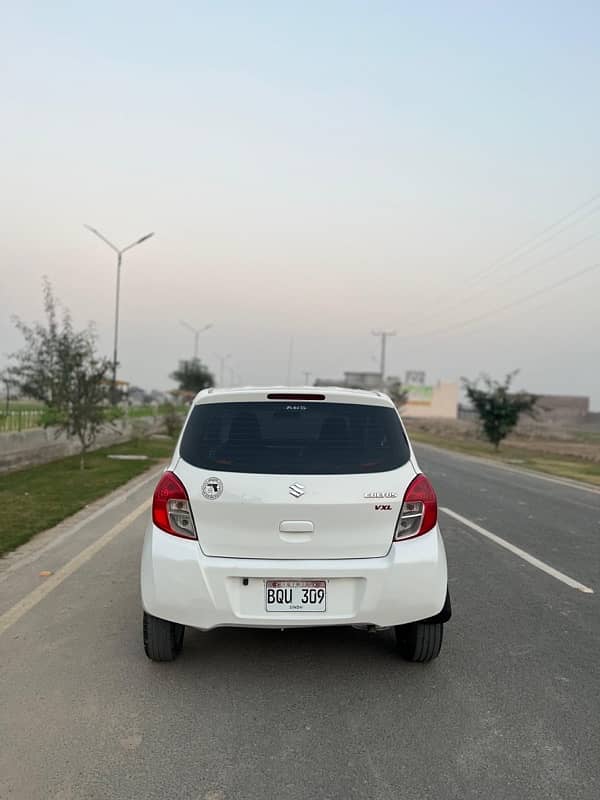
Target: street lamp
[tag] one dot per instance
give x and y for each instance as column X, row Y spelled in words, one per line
column 119, row 259
column 196, row 332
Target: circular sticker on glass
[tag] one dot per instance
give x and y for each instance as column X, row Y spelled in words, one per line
column 212, row 488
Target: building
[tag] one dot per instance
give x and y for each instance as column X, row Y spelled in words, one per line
column 362, row 380
column 353, row 380
column 562, row 409
column 559, row 410
column 439, row 401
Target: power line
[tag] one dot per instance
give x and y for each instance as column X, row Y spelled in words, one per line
column 528, row 269
column 573, row 276
column 532, row 243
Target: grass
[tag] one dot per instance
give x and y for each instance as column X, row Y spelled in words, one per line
column 37, row 498
column 560, row 466
column 147, row 411
column 20, row 419
column 21, row 405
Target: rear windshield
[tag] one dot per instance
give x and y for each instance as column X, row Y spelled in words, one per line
column 297, row 438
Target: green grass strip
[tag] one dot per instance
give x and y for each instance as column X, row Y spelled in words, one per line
column 36, row 498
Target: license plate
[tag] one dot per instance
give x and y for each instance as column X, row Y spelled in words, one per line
column 296, row 595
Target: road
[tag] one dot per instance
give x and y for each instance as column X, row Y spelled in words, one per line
column 509, row 710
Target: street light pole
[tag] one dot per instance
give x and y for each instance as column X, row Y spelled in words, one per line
column 383, row 335
column 116, row 336
column 307, row 375
column 119, row 253
column 196, row 332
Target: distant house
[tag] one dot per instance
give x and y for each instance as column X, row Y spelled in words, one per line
column 353, row 380
column 562, row 408
column 439, row 401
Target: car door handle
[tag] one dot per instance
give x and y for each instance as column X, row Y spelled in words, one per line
column 296, row 526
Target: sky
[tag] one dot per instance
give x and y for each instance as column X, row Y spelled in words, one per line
column 314, row 170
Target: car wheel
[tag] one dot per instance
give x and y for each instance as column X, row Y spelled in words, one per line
column 420, row 641
column 163, row 640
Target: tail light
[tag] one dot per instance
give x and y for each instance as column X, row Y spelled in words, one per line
column 419, row 510
column 171, row 510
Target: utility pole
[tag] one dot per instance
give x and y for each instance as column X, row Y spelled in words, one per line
column 384, row 335
column 222, row 360
column 119, row 253
column 196, row 332
column 290, row 360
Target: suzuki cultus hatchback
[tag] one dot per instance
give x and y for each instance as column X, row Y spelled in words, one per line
column 294, row 508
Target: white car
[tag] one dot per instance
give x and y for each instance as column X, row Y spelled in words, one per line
column 290, row 508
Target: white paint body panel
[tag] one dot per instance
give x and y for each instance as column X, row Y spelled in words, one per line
column 181, row 584
column 245, row 521
column 256, row 531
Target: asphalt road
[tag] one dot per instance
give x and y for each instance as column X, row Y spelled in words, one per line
column 511, row 709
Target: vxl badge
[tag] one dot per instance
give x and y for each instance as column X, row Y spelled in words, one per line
column 212, row 488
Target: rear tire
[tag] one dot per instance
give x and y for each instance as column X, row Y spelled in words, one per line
column 420, row 641
column 163, row 640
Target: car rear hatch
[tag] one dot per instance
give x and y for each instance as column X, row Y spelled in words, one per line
column 294, row 481
column 291, row 516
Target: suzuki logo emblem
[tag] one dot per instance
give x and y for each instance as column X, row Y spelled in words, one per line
column 296, row 490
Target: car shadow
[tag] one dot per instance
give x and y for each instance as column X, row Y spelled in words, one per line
column 289, row 647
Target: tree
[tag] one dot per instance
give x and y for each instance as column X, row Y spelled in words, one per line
column 498, row 409
column 60, row 367
column 397, row 392
column 193, row 376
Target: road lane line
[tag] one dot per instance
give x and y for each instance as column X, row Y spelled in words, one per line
column 122, row 494
column 34, row 597
column 560, row 576
column 530, row 473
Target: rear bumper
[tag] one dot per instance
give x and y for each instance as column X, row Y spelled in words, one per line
column 181, row 584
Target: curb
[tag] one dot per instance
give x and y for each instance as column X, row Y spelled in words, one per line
column 50, row 538
column 531, row 473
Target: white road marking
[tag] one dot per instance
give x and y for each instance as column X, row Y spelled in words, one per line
column 24, row 560
column 560, row 576
column 31, row 600
column 530, row 473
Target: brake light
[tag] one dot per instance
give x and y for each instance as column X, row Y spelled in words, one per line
column 171, row 510
column 419, row 510
column 288, row 396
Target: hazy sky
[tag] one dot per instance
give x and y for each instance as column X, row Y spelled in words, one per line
column 315, row 169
